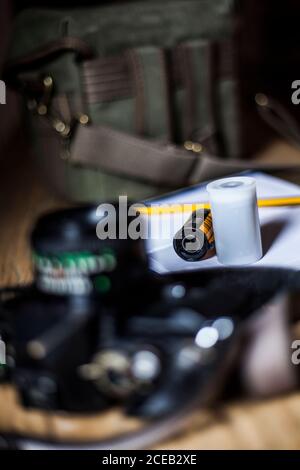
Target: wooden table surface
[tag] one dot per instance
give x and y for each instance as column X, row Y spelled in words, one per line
column 243, row 424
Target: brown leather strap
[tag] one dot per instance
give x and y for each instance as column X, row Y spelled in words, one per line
column 106, row 79
column 67, row 43
column 150, row 78
column 14, row 68
column 163, row 165
column 102, row 75
column 199, row 81
column 109, row 78
column 116, row 152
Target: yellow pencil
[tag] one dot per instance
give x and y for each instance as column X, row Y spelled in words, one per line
column 190, row 207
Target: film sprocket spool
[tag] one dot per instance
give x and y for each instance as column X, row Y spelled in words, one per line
column 116, row 333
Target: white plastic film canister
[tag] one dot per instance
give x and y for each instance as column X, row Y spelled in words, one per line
column 235, row 220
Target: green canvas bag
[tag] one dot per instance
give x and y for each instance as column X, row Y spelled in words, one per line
column 130, row 98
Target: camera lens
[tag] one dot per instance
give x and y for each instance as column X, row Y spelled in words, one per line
column 79, row 251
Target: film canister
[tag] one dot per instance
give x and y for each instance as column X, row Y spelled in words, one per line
column 236, row 222
column 196, row 238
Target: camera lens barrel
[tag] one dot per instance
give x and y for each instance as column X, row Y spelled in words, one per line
column 70, row 258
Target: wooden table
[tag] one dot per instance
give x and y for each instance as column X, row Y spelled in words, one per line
column 243, row 424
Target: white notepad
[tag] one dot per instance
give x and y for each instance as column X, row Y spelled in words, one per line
column 280, row 228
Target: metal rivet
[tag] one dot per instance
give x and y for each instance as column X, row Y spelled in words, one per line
column 188, row 145
column 193, row 146
column 42, row 109
column 59, row 126
column 84, row 119
column 261, row 99
column 197, row 148
column 66, row 131
column 48, row 82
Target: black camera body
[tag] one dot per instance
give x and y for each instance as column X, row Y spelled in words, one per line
column 98, row 327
